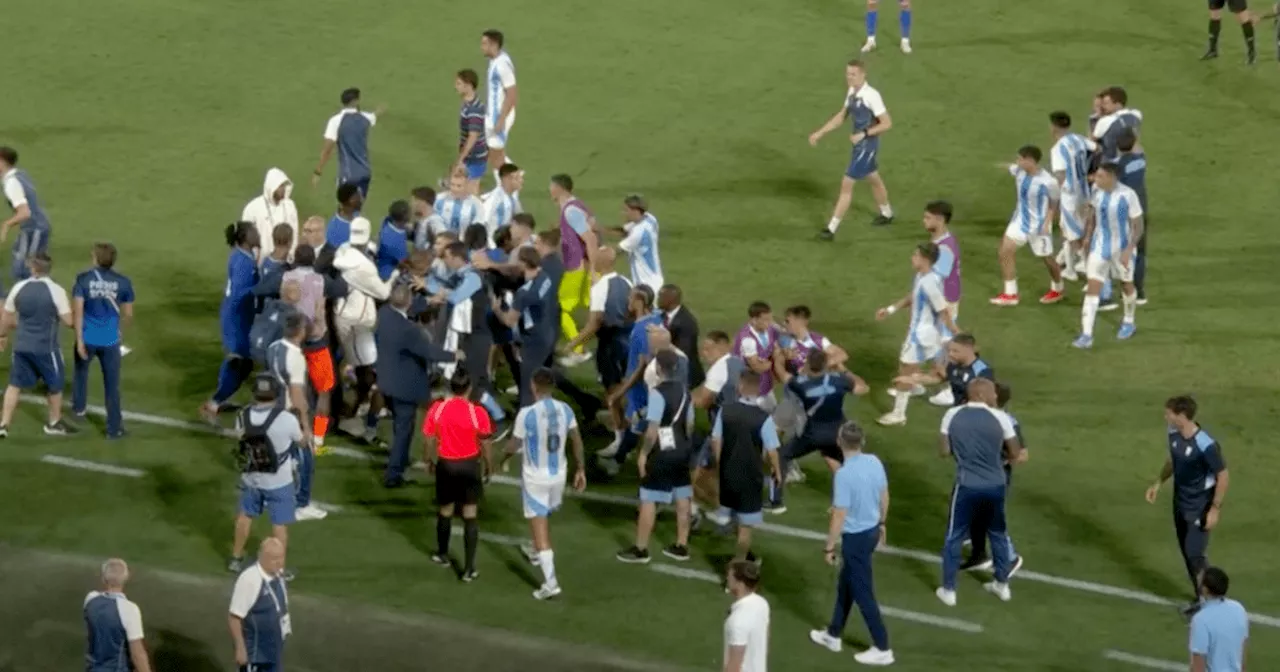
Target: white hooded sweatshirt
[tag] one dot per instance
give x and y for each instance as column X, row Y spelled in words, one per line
column 361, row 275
column 265, row 212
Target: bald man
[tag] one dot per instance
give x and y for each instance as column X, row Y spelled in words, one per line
column 259, row 613
column 115, row 624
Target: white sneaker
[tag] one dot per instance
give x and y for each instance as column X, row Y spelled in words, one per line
column 874, row 656
column 918, row 391
column 311, row 512
column 1000, row 590
column 610, row 467
column 906, row 49
column 610, row 450
column 892, row 420
column 546, row 592
column 513, row 390
column 943, row 398
column 352, row 426
column 869, row 46
column 715, row 517
column 1070, row 275
column 821, row 638
column 574, row 359
column 947, row 597
column 795, row 474
column 530, row 553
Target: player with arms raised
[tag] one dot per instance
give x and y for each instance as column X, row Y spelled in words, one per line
column 1031, row 224
column 864, row 106
column 500, row 103
column 1112, row 239
column 1069, row 161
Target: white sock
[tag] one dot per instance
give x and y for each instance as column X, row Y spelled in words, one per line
column 886, row 210
column 900, row 403
column 1088, row 313
column 617, row 435
column 547, row 563
column 1011, row 287
column 833, row 224
column 1056, row 285
column 1130, row 303
column 694, row 509
column 1068, row 264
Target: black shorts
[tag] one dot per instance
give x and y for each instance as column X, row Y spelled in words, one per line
column 458, row 482
column 743, row 496
column 611, row 361
column 669, row 472
column 1235, row 6
column 821, row 439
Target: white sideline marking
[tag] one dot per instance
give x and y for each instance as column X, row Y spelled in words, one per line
column 92, row 466
column 327, row 508
column 784, row 530
column 1143, row 661
column 903, row 614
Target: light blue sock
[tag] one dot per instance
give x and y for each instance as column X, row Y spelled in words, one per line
column 872, row 15
column 491, row 405
column 904, row 22
column 1105, row 294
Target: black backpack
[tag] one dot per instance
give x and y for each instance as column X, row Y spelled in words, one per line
column 255, row 452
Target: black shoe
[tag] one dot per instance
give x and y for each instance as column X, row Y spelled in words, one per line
column 58, row 428
column 441, row 559
column 826, row 235
column 677, row 552
column 469, row 576
column 1210, row 54
column 1189, row 609
column 116, row 436
column 235, row 565
column 977, row 563
column 634, row 556
column 881, row 220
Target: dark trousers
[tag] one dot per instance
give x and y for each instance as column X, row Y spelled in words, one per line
column 1193, row 542
column 477, row 347
column 108, row 357
column 856, row 586
column 533, row 357
column 985, row 505
column 404, row 414
column 1140, row 264
column 978, row 528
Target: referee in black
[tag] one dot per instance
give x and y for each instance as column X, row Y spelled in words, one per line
column 1200, row 483
column 1240, row 8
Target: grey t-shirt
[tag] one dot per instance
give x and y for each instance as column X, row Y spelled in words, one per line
column 283, row 433
column 977, row 434
column 37, row 303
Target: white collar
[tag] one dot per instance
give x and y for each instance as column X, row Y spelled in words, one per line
column 672, row 313
column 402, row 313
column 977, row 404
column 607, row 276
column 263, row 573
column 9, row 173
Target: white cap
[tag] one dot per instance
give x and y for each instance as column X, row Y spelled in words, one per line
column 361, row 230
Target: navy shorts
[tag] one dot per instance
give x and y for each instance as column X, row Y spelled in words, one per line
column 31, row 367
column 28, row 242
column 863, row 161
column 475, row 169
column 362, row 184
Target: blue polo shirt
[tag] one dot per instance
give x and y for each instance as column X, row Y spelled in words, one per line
column 976, row 434
column 103, row 292
column 338, row 231
column 1218, row 632
column 856, row 489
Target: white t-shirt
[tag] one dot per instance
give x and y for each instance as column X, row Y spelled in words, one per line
column 717, row 375
column 331, row 128
column 748, row 625
column 13, row 191
column 600, row 293
column 283, row 433
column 130, row 614
column 295, row 369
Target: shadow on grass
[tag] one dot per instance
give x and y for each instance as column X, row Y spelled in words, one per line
column 196, row 507
column 174, row 651
column 619, row 522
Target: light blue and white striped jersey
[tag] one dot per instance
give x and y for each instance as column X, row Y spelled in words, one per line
column 1036, row 192
column 1113, row 213
column 641, row 244
column 1070, row 157
column 543, row 429
column 927, row 306
column 459, row 212
column 499, row 208
column 501, row 76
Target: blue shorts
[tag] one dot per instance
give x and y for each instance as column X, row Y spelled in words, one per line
column 28, row 242
column 31, row 367
column 280, row 503
column 476, row 169
column 751, row 519
column 666, row 496
column 863, row 161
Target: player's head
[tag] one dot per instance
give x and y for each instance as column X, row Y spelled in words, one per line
column 924, row 256
column 351, row 97
column 669, row 297
column 502, row 239
column 1004, row 394
column 1029, row 158
column 982, row 391
column 8, row 158
column 547, row 241
column 1059, row 122
column 304, row 256
column 530, row 262
column 633, row 207
column 1180, row 410
column 465, row 82
column 962, row 349
column 1106, row 176
column 851, row 438
column 423, row 200
column 816, row 362
column 295, row 328
column 544, row 381
column 401, row 297
column 476, row 237
column 282, row 237
column 460, row 382
column 313, row 231
column 104, row 255
column 458, row 185
column 491, row 42
column 561, row 186
column 522, row 225
column 605, row 256
column 1214, row 583
column 264, row 389
column 444, row 239
column 759, row 315
column 748, row 384
column 1126, row 140
column 640, row 300
column 456, row 254
column 511, row 177
column 420, row 262
column 715, row 344
column 241, row 234
column 796, row 319
column 855, row 73
column 349, row 196
column 743, row 577
column 667, row 360
column 40, row 264
column 937, row 216
column 659, row 337
column 1112, row 98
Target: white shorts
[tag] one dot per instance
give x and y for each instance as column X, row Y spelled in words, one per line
column 1041, row 246
column 498, row 139
column 541, row 499
column 917, row 350
column 358, row 345
column 1097, row 268
column 1071, row 216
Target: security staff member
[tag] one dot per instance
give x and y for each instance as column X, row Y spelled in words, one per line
column 981, row 439
column 101, row 309
column 1200, row 481
column 405, row 359
column 259, row 614
column 963, row 366
column 742, row 435
column 469, row 303
column 115, row 625
column 609, row 322
column 665, row 455
column 822, row 393
column 859, row 509
column 34, row 308
column 456, row 430
column 978, row 559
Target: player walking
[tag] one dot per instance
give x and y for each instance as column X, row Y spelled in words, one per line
column 929, row 315
column 1031, row 224
column 1069, row 161
column 1112, row 239
column 1241, row 9
column 904, row 25
column 500, row 104
column 865, row 107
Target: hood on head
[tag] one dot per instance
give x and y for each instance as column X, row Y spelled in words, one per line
column 275, row 178
column 361, row 230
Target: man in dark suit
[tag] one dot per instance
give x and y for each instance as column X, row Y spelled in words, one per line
column 684, row 329
column 405, row 358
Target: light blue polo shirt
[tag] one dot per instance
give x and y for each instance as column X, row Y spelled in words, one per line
column 1218, row 632
column 857, row 489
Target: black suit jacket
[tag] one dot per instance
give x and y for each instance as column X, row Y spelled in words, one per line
column 684, row 335
column 405, row 357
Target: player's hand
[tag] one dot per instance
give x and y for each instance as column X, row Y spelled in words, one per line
column 1152, row 493
column 81, row 351
column 855, row 138
column 814, row 137
column 242, row 656
column 1125, row 256
column 580, row 480
column 1023, row 456
column 830, row 556
column 640, row 466
column 1211, row 519
column 380, row 110
column 884, row 537
column 882, row 314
